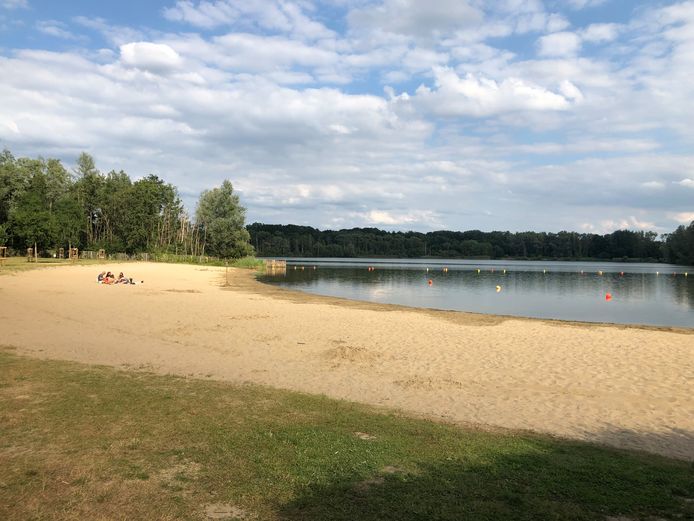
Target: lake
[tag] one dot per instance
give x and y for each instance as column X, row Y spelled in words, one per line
column 623, row 293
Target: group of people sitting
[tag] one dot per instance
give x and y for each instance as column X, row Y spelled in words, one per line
column 106, row 277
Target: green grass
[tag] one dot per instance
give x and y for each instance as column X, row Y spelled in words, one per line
column 81, row 442
column 16, row 264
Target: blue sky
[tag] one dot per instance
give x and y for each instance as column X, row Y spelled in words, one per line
column 399, row 114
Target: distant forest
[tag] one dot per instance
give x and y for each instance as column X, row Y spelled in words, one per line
column 302, row 241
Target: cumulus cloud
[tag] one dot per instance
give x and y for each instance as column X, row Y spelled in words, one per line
column 600, row 33
column 559, row 44
column 154, row 57
column 611, row 225
column 479, row 96
column 397, row 219
column 682, row 217
column 273, row 15
column 687, row 183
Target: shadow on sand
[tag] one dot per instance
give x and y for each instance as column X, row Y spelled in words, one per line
column 551, row 480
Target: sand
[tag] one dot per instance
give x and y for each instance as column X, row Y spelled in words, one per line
column 629, row 387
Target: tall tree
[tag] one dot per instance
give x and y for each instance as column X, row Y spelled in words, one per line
column 31, row 218
column 88, row 188
column 221, row 217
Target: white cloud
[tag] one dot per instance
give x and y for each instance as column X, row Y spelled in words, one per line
column 116, row 35
column 423, row 59
column 570, row 91
column 559, row 44
column 687, row 183
column 582, row 4
column 556, row 23
column 274, row 15
column 391, row 218
column 653, row 185
column 55, row 28
column 628, row 223
column 479, row 96
column 416, row 18
column 154, row 57
column 600, row 33
column 14, row 4
column 682, row 217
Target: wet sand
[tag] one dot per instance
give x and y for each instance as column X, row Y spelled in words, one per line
column 629, row 387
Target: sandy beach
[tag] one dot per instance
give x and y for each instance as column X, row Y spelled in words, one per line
column 630, row 387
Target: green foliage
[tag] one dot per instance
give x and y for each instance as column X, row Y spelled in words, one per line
column 680, row 245
column 303, row 241
column 31, row 218
column 222, row 217
column 41, row 202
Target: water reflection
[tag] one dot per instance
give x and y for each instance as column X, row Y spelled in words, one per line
column 640, row 293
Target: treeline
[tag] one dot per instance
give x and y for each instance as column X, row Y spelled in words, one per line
column 43, row 204
column 303, row 241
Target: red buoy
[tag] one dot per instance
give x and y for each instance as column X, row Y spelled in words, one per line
column 431, row 282
column 608, row 296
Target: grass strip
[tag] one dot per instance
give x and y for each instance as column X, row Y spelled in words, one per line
column 90, row 442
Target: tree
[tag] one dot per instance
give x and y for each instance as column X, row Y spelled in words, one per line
column 680, row 245
column 12, row 184
column 31, row 219
column 88, row 188
column 221, row 217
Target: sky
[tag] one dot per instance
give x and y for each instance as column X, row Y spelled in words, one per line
column 397, row 114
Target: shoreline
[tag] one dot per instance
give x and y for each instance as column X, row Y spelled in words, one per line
column 277, row 291
column 607, row 383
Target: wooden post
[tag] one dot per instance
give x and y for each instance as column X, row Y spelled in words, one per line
column 36, row 254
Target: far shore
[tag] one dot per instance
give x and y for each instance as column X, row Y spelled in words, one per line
column 625, row 386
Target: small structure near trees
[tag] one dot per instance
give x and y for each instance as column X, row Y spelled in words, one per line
column 30, row 255
column 3, row 255
column 276, row 267
column 101, row 255
column 74, row 254
column 61, row 253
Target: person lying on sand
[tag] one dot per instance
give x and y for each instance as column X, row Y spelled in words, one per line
column 122, row 279
column 100, row 277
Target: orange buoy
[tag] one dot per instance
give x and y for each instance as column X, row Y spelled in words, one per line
column 498, row 289
column 608, row 296
column 431, row 282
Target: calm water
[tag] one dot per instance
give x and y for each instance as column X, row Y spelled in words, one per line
column 656, row 294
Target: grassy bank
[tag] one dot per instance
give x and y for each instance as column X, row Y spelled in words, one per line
column 80, row 442
column 16, row 264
